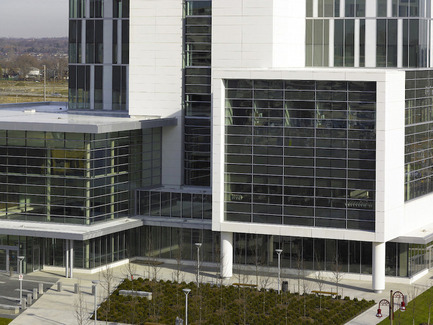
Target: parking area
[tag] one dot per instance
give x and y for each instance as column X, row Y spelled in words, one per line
column 10, row 289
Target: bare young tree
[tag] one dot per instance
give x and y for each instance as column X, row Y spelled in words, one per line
column 106, row 280
column 265, row 283
column 299, row 269
column 429, row 307
column 320, row 280
column 81, row 312
column 129, row 270
column 413, row 294
column 177, row 275
column 337, row 275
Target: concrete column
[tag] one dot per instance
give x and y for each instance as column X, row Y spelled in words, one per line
column 71, row 256
column 67, row 258
column 378, row 267
column 226, row 254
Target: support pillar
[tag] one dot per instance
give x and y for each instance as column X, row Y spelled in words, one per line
column 226, row 254
column 378, row 267
column 71, row 256
column 67, row 258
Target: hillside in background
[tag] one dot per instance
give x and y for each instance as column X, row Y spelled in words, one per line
column 11, row 47
column 20, row 56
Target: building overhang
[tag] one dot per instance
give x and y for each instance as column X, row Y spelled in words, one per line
column 423, row 235
column 86, row 232
column 54, row 117
column 67, row 231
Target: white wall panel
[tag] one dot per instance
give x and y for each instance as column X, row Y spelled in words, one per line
column 156, row 73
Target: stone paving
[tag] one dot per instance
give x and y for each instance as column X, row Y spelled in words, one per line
column 56, row 307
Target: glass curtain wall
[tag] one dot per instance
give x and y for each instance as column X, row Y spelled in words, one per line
column 153, row 243
column 197, row 92
column 68, row 177
column 419, row 133
column 120, row 54
column 301, row 153
column 159, row 203
column 89, row 70
column 149, row 242
column 410, row 19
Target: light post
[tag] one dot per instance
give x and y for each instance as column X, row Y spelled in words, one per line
column 95, row 290
column 186, row 292
column 390, row 303
column 198, row 245
column 20, row 277
column 279, row 251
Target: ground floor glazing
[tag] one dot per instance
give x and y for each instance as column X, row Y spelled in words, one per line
column 177, row 244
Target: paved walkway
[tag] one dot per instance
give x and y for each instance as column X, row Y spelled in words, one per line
column 66, row 307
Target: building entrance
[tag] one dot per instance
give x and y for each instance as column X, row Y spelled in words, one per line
column 9, row 259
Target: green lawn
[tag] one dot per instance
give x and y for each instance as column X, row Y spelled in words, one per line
column 418, row 308
column 12, row 91
column 4, row 321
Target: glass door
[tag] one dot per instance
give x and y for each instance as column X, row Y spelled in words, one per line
column 36, row 258
column 13, row 260
column 3, row 256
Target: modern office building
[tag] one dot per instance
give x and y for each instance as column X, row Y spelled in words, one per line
column 248, row 126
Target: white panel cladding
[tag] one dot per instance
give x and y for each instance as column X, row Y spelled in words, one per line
column 370, row 43
column 218, row 144
column 389, row 8
column 108, row 40
column 107, row 91
column 331, row 43
column 289, row 33
column 400, row 43
column 418, row 213
column 357, row 43
column 370, row 8
column 258, row 34
column 390, row 155
column 156, row 73
column 390, row 130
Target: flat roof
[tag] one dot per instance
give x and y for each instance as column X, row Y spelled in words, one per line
column 86, row 232
column 55, row 117
column 65, row 230
column 423, row 235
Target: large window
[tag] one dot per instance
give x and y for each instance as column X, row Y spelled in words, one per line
column 386, row 38
column 119, row 88
column 79, row 86
column 419, row 136
column 197, row 96
column 301, row 152
column 68, row 177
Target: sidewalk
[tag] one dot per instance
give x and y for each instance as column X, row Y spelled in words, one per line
column 61, row 307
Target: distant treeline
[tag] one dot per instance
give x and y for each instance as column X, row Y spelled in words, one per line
column 19, row 56
column 37, row 46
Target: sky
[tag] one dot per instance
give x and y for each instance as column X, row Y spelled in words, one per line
column 33, row 18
